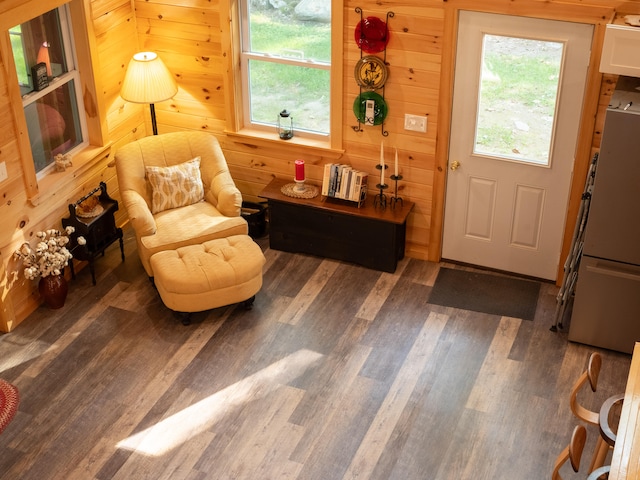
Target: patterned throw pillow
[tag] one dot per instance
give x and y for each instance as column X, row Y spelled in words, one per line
column 175, row 186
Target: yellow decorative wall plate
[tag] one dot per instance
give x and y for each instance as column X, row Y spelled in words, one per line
column 371, row 72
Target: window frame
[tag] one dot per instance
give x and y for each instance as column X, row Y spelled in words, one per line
column 39, row 189
column 21, row 37
column 247, row 56
column 238, row 121
column 71, row 76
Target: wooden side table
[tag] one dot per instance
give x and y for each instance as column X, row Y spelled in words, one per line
column 369, row 236
column 99, row 231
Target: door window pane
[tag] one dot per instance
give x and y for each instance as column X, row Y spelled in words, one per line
column 518, row 95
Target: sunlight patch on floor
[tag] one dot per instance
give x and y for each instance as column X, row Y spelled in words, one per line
column 177, row 429
column 14, row 352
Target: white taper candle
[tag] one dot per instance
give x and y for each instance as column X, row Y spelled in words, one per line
column 381, row 163
column 396, row 169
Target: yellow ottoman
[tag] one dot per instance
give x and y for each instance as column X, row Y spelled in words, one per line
column 216, row 273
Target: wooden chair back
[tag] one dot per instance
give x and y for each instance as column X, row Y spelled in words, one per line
column 590, row 375
column 572, row 452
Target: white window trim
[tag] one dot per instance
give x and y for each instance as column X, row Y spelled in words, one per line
column 246, row 55
column 330, row 145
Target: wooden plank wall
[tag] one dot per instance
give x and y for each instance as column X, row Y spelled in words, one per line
column 113, row 27
column 187, row 35
column 415, row 55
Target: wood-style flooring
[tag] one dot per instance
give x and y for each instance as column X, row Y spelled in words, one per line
column 338, row 372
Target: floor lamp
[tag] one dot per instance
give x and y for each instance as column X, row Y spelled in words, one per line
column 148, row 80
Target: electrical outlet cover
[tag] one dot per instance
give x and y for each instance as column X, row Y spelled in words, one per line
column 416, row 123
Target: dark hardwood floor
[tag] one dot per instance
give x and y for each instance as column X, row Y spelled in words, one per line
column 338, row 372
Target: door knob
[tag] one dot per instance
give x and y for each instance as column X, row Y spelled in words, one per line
column 454, row 165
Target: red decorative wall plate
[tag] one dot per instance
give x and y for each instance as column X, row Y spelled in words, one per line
column 372, row 35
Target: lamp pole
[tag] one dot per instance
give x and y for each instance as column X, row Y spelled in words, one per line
column 154, row 124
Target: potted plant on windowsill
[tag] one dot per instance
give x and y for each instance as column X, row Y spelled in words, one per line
column 47, row 261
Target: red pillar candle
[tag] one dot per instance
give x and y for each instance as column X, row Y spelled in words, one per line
column 299, row 170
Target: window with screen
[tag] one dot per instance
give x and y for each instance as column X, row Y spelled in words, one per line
column 49, row 80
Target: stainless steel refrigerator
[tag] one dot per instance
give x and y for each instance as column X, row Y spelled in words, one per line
column 606, row 308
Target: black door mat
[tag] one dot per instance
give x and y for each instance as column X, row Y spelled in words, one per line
column 485, row 293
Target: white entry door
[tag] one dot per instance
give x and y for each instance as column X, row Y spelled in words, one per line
column 518, row 93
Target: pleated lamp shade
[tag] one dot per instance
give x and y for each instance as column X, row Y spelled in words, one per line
column 147, row 80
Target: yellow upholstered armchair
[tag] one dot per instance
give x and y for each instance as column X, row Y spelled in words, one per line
column 177, row 191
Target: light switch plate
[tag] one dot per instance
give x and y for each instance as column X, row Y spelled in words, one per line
column 417, row 123
column 3, row 172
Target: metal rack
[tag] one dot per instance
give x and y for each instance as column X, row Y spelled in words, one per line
column 572, row 263
column 358, row 128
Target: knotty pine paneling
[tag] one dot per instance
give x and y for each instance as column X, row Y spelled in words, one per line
column 186, row 47
column 203, row 89
column 178, row 61
column 171, row 122
column 572, row 10
column 194, row 4
column 106, row 22
column 23, row 293
column 177, row 109
column 114, row 29
column 630, row 7
column 126, row 119
column 115, row 49
column 414, row 58
column 180, row 12
column 162, row 28
column 104, row 8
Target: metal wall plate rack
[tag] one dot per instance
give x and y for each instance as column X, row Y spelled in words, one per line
column 361, row 124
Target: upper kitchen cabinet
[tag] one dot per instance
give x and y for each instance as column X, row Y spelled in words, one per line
column 621, row 47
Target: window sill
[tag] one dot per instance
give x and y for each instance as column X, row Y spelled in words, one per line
column 55, row 181
column 300, row 144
